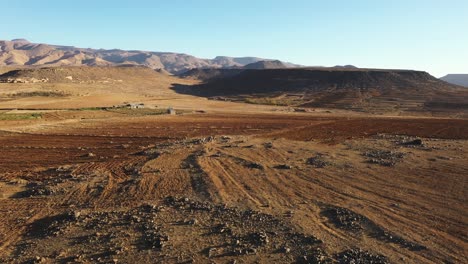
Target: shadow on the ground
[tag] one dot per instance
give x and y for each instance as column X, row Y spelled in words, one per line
column 196, row 89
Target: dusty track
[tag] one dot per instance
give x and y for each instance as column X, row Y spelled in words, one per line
column 106, row 168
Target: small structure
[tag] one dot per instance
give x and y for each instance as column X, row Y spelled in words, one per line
column 136, row 105
column 171, row 111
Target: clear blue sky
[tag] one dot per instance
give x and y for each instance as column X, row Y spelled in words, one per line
column 428, row 35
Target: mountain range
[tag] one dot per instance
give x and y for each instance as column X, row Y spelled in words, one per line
column 22, row 52
column 458, row 79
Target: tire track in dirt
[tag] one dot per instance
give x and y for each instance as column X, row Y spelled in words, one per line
column 14, row 226
column 328, row 189
column 224, row 181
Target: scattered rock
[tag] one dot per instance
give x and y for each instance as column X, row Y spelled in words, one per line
column 258, row 238
column 353, row 256
column 318, row 161
column 415, row 142
column 283, row 167
column 289, row 213
column 383, row 157
column 344, row 218
column 351, row 221
column 315, row 256
column 225, row 138
column 396, row 239
column 302, row 110
column 39, row 259
column 254, row 165
column 192, row 222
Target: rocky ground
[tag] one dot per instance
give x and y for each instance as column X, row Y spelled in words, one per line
column 203, row 195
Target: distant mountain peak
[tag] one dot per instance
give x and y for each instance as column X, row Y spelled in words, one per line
column 266, row 64
column 458, row 79
column 349, row 66
column 22, row 52
column 20, row 40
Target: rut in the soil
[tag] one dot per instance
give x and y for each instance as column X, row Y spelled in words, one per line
column 353, row 222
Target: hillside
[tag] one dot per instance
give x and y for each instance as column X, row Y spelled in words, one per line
column 78, row 74
column 83, row 86
column 209, row 74
column 22, row 52
column 346, row 66
column 458, row 79
column 260, row 65
column 346, row 88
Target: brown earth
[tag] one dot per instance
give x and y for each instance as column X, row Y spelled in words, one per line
column 84, row 182
column 252, row 188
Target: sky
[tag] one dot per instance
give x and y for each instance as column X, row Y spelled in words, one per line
column 429, row 35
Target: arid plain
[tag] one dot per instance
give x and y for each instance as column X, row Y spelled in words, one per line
column 222, row 181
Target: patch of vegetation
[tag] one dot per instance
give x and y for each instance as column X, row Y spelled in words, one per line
column 268, row 101
column 39, row 93
column 92, row 108
column 138, row 112
column 24, row 116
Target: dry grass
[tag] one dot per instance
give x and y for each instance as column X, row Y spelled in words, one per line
column 269, row 101
column 39, row 93
column 25, row 116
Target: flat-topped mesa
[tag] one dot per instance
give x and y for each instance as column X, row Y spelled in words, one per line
column 348, row 88
column 275, row 64
column 317, row 79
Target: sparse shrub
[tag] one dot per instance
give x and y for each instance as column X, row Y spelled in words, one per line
column 20, row 116
column 268, row 101
column 39, row 93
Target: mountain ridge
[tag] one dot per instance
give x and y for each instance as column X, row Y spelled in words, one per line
column 21, row 52
column 458, row 79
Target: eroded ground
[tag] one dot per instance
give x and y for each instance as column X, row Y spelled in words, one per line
column 94, row 186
